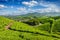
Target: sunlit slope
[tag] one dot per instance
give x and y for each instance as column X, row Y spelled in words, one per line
column 18, row 35
column 22, row 31
column 22, row 26
column 4, row 22
column 15, row 35
column 27, row 31
column 56, row 27
column 44, row 27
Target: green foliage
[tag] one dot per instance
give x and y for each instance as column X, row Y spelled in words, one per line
column 57, row 26
column 32, row 22
column 44, row 27
column 4, row 22
column 44, row 20
column 28, row 32
column 55, row 17
column 22, row 31
column 51, row 21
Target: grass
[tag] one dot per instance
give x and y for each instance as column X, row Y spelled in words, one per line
column 22, row 31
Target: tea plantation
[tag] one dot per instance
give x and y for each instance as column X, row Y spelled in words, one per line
column 49, row 30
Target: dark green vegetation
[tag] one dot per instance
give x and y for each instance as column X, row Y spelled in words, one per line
column 30, row 28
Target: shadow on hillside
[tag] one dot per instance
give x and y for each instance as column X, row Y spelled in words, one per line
column 34, row 33
column 28, row 32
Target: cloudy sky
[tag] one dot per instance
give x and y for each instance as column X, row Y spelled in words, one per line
column 17, row 7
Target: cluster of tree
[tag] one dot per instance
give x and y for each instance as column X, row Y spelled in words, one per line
column 32, row 22
column 55, row 17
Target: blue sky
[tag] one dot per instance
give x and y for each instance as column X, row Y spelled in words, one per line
column 17, row 7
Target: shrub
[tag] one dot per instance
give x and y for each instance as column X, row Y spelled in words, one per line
column 32, row 22
column 57, row 26
column 44, row 27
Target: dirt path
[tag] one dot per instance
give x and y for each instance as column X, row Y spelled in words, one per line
column 8, row 26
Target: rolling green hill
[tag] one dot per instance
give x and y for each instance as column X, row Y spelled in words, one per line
column 22, row 31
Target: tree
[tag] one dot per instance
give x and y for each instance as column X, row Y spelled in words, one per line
column 51, row 25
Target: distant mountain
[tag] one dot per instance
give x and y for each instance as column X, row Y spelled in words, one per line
column 37, row 14
column 41, row 14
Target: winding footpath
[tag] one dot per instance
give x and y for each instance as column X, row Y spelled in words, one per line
column 8, row 26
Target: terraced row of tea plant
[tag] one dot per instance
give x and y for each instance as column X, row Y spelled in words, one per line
column 4, row 22
column 22, row 31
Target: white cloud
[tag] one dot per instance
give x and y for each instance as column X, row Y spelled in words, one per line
column 4, row 12
column 30, row 4
column 49, row 8
column 3, row 6
column 53, row 8
column 21, row 9
column 44, row 4
column 12, row 7
column 24, row 10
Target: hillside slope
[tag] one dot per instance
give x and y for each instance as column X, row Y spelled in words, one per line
column 22, row 31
